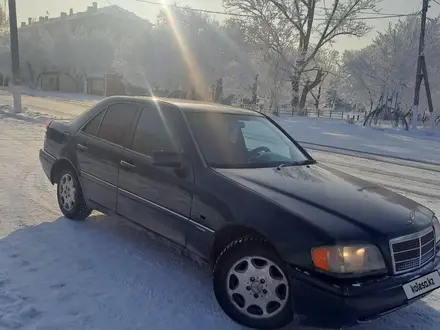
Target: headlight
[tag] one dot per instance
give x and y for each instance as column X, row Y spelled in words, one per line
column 351, row 259
column 436, row 224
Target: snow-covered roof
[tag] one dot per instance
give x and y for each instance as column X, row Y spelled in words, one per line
column 113, row 10
column 117, row 11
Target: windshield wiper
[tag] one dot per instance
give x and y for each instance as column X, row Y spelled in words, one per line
column 297, row 163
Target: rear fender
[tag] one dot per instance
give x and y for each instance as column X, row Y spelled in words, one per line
column 58, row 166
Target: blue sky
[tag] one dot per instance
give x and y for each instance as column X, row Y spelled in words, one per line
column 36, row 8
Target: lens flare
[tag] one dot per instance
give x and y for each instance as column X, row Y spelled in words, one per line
column 195, row 73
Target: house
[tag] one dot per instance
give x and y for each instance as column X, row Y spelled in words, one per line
column 55, row 80
column 112, row 23
column 50, row 80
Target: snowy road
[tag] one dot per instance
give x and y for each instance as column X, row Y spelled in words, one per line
column 107, row 274
column 50, row 106
column 420, row 145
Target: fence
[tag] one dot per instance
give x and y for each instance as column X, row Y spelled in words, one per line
column 325, row 113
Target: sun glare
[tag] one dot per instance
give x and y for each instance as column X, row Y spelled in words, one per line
column 195, row 73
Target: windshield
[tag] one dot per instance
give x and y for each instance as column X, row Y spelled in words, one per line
column 242, row 141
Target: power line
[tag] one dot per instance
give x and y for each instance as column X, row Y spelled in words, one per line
column 370, row 17
column 367, row 12
column 244, row 15
column 194, row 9
column 106, row 1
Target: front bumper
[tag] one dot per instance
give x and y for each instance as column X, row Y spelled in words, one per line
column 318, row 303
column 47, row 161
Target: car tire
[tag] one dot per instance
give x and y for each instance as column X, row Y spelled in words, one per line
column 70, row 197
column 249, row 272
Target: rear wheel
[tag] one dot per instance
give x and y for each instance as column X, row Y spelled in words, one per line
column 251, row 285
column 70, row 197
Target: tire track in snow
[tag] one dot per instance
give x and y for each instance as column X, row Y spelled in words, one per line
column 362, row 168
column 29, row 191
column 419, row 184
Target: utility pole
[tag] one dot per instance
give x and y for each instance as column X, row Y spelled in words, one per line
column 421, row 70
column 15, row 88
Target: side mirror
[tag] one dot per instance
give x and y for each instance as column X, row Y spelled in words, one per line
column 167, row 159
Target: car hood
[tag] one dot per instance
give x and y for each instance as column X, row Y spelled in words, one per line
column 363, row 204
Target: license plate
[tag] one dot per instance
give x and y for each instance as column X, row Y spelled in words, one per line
column 422, row 285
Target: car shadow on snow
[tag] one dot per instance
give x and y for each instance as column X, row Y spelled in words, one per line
column 106, row 273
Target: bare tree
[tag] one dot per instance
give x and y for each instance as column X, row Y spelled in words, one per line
column 360, row 79
column 387, row 64
column 275, row 81
column 288, row 27
column 321, row 66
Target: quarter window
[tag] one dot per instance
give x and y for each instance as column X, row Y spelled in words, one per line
column 92, row 126
column 117, row 123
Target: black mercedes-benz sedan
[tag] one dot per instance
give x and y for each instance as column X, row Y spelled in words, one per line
column 288, row 239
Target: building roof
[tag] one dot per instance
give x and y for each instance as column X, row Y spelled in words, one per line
column 117, row 11
column 114, row 11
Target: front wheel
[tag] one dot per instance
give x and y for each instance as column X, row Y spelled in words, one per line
column 251, row 285
column 70, row 197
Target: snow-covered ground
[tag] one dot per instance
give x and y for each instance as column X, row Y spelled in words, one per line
column 98, row 274
column 107, row 274
column 48, row 106
column 54, row 94
column 419, row 146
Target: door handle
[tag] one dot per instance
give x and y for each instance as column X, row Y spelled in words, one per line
column 128, row 165
column 81, row 147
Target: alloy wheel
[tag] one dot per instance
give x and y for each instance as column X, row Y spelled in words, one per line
column 257, row 287
column 67, row 192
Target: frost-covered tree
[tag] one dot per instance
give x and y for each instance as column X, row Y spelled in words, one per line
column 315, row 81
column 360, row 82
column 5, row 56
column 298, row 29
column 4, row 22
column 187, row 51
column 388, row 65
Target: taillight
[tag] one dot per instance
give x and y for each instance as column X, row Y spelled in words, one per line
column 48, row 124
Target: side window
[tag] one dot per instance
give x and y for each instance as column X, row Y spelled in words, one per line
column 152, row 134
column 93, row 125
column 117, row 123
column 256, row 135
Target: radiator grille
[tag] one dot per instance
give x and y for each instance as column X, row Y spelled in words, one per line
column 412, row 251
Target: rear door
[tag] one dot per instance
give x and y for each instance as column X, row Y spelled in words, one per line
column 99, row 147
column 158, row 198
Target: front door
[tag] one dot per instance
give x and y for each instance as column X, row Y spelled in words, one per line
column 99, row 147
column 156, row 197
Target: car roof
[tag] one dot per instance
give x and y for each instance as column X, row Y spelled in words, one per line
column 186, row 105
